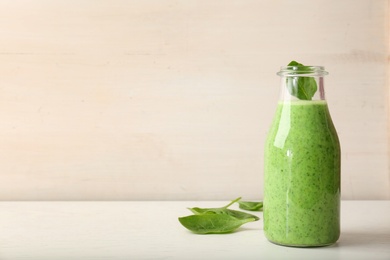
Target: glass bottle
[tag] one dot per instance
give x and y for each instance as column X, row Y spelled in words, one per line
column 302, row 164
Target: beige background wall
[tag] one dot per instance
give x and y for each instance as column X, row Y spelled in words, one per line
column 165, row 99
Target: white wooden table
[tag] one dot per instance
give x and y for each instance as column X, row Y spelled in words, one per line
column 150, row 230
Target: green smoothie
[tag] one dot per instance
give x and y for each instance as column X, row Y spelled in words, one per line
column 302, row 176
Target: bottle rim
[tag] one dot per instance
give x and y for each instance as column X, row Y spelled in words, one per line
column 302, row 71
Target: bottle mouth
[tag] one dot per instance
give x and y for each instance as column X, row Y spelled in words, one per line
column 302, row 71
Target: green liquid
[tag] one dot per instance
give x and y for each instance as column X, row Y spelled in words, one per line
column 302, row 176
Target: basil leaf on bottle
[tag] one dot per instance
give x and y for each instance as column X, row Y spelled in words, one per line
column 303, row 88
column 213, row 223
column 250, row 205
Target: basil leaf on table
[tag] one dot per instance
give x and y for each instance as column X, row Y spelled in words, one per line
column 250, row 205
column 216, row 220
column 213, row 223
column 303, row 88
column 199, row 211
column 224, row 211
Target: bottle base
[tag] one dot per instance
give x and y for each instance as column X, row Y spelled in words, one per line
column 302, row 245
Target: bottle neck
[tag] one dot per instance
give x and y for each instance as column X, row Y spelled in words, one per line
column 308, row 88
column 301, row 82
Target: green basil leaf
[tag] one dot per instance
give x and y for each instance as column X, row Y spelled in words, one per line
column 223, row 211
column 216, row 220
column 303, row 88
column 212, row 223
column 251, row 206
column 294, row 63
column 199, row 211
column 241, row 215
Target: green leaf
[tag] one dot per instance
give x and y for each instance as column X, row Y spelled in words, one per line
column 241, row 215
column 250, row 205
column 295, row 63
column 223, row 211
column 213, row 223
column 216, row 220
column 199, row 211
column 303, row 88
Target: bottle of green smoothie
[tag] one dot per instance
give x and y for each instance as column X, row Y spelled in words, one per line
column 302, row 163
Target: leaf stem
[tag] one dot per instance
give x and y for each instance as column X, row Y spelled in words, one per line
column 232, row 202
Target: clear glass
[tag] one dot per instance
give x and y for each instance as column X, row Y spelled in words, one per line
column 302, row 167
